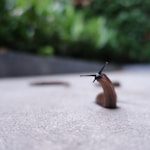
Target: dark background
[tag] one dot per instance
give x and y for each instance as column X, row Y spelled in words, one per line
column 99, row 30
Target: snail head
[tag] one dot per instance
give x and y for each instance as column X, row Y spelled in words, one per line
column 98, row 75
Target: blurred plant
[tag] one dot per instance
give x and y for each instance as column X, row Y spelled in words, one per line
column 27, row 26
column 46, row 51
column 52, row 27
column 118, row 31
column 131, row 21
column 89, row 34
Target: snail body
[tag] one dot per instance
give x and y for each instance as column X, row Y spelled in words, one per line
column 108, row 98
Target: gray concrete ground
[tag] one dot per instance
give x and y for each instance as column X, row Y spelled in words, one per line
column 66, row 117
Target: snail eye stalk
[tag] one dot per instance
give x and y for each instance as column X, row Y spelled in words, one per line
column 94, row 80
column 90, row 75
column 106, row 63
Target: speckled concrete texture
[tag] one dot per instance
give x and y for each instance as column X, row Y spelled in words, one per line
column 67, row 118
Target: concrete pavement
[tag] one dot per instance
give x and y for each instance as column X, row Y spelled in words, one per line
column 67, row 118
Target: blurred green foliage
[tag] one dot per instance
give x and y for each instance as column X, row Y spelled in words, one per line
column 116, row 30
column 130, row 19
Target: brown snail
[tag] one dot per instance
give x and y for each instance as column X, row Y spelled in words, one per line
column 108, row 99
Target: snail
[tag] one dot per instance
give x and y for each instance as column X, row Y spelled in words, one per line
column 108, row 99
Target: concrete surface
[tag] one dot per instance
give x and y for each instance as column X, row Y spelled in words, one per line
column 66, row 117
